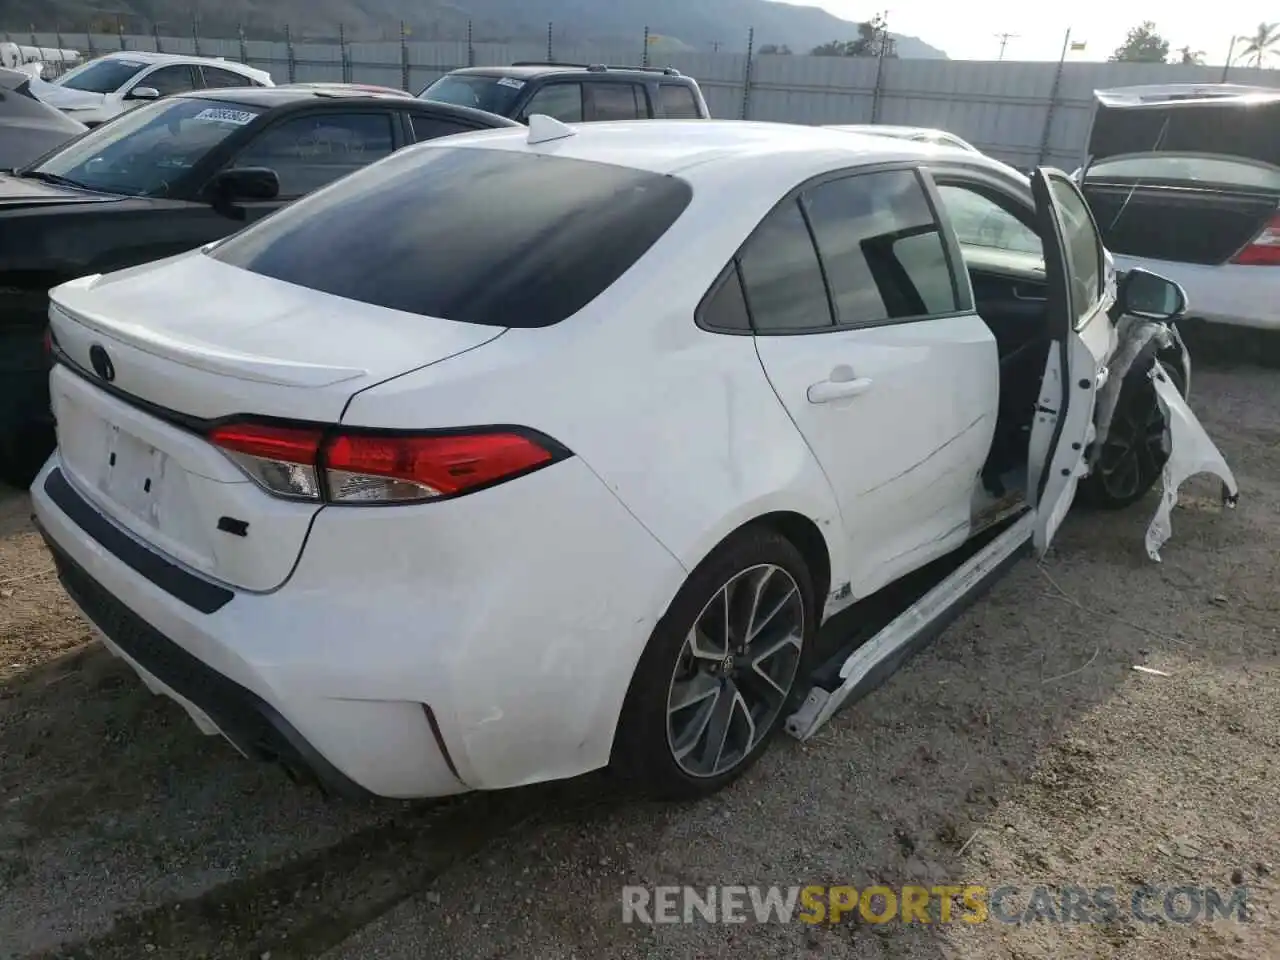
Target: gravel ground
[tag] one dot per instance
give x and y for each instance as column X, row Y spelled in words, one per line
column 1021, row 748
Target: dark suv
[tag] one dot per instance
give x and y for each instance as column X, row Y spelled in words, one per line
column 573, row 92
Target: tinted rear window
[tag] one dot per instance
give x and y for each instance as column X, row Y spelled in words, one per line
column 495, row 237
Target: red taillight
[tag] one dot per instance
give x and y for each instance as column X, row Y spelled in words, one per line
column 386, row 468
column 283, row 460
column 286, row 444
column 1264, row 249
column 377, row 467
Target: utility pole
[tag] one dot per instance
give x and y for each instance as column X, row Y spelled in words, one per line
column 1004, row 39
column 715, row 46
column 1231, row 52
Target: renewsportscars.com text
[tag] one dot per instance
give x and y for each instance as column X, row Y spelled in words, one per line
column 970, row 903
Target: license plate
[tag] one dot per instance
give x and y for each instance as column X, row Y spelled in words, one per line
column 132, row 474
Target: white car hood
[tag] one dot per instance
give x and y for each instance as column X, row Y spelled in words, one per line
column 64, row 98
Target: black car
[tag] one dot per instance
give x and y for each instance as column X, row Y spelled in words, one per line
column 29, row 128
column 165, row 178
column 573, row 92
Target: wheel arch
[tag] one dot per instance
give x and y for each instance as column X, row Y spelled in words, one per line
column 800, row 530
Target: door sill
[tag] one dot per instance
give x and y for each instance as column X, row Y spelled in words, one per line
column 871, row 663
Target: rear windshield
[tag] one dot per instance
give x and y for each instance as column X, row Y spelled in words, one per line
column 494, row 94
column 1189, row 169
column 495, row 237
column 101, row 76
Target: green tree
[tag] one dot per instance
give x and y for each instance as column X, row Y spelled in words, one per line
column 873, row 41
column 773, row 49
column 1189, row 57
column 1262, row 44
column 1143, row 45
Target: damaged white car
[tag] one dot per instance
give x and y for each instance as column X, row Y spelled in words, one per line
column 562, row 455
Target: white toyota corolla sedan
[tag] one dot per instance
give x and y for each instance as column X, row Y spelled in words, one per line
column 525, row 453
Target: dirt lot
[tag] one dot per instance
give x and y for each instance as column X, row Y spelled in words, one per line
column 1021, row 748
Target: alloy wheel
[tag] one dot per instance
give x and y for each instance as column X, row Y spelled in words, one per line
column 735, row 671
column 1133, row 451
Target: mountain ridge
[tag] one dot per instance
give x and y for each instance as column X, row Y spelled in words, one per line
column 709, row 24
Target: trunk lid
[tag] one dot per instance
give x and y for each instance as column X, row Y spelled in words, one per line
column 1237, row 121
column 154, row 353
column 1188, row 173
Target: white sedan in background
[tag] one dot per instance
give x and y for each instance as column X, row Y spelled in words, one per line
column 536, row 451
column 100, row 89
column 1184, row 179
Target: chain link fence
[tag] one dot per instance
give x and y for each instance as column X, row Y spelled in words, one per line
column 1023, row 113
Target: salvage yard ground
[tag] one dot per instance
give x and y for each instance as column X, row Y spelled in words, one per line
column 1021, row 748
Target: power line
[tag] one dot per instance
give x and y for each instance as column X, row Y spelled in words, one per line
column 1004, row 39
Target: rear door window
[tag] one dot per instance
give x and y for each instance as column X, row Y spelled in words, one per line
column 495, row 237
column 310, row 151
column 563, row 101
column 617, row 101
column 678, row 101
column 881, row 248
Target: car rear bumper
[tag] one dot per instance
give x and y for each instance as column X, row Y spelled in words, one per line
column 1241, row 296
column 216, row 703
column 392, row 662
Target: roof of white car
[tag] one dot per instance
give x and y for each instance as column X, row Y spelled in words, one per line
column 148, row 56
column 676, row 146
column 889, row 130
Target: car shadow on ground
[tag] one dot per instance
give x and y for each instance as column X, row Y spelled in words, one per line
column 1000, row 752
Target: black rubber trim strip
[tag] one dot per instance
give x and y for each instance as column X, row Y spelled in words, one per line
column 195, row 592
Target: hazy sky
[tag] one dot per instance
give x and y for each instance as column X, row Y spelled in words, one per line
column 966, row 30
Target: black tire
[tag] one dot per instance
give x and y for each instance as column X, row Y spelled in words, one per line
column 23, row 452
column 644, row 753
column 1132, row 457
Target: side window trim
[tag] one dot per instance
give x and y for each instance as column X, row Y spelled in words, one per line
column 729, row 273
column 984, row 186
column 793, row 199
column 409, row 134
column 589, row 88
column 1100, row 257
column 551, row 84
column 964, row 306
column 194, row 76
column 279, row 122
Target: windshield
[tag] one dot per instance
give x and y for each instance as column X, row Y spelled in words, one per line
column 142, row 152
column 1188, row 168
column 101, row 76
column 494, row 94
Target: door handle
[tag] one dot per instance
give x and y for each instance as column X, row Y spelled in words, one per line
column 1033, row 298
column 841, row 384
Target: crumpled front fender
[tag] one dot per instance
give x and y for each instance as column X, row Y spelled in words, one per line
column 1191, row 452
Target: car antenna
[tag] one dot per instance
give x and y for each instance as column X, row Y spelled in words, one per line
column 543, row 129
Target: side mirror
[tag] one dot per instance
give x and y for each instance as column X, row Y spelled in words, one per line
column 1150, row 296
column 143, row 93
column 244, row 183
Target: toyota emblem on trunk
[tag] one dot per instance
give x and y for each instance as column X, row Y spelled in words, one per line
column 102, row 364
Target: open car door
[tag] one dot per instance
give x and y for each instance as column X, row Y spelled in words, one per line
column 1080, row 294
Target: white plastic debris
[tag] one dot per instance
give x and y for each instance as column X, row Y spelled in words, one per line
column 1190, row 452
